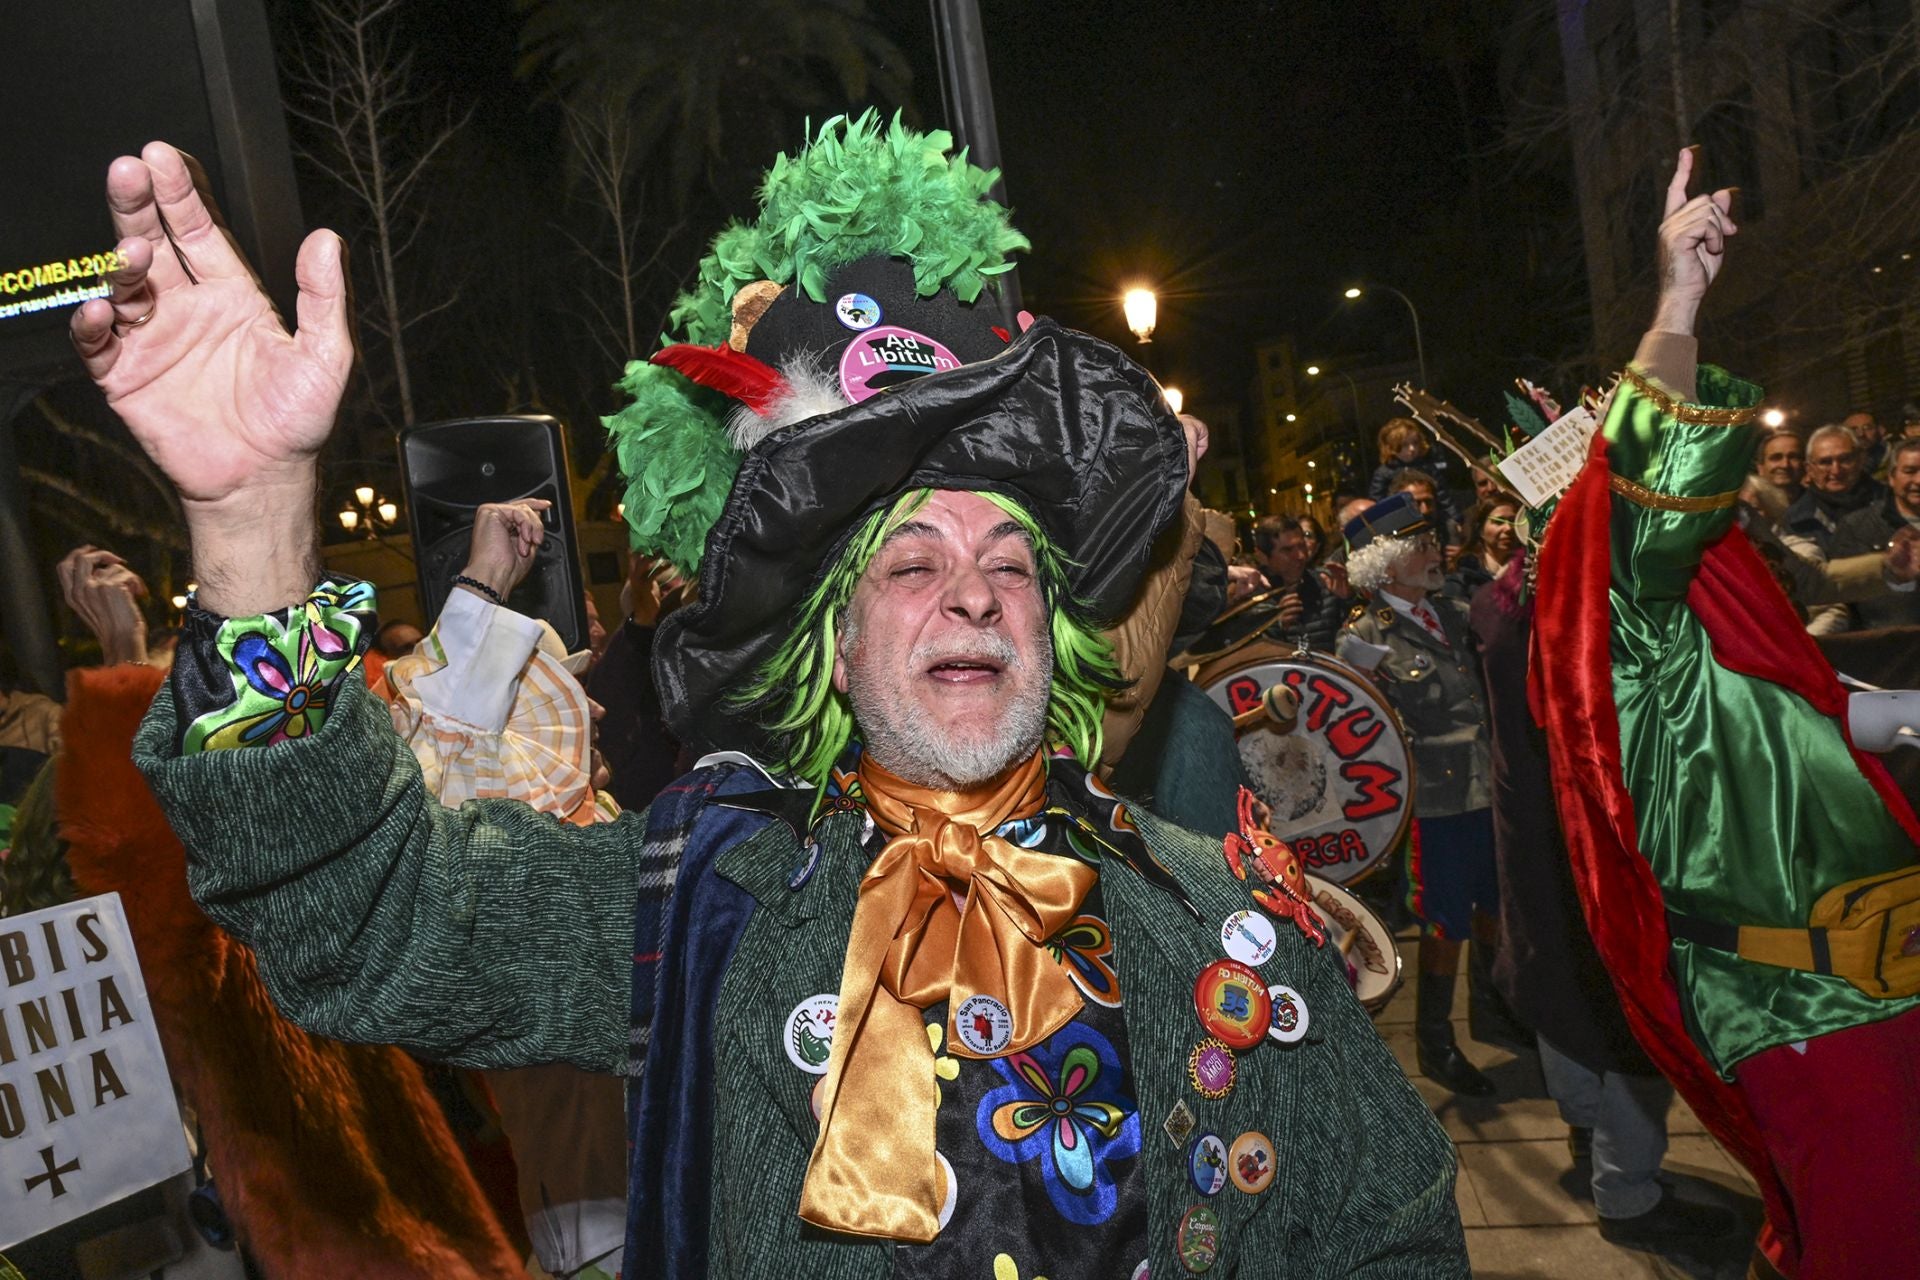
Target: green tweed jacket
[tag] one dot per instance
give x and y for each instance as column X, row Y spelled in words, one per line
column 493, row 936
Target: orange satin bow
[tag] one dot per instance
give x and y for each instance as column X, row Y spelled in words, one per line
column 914, row 944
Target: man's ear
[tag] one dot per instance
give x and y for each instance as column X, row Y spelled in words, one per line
column 840, row 657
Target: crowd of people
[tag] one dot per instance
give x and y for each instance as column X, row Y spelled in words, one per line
column 881, row 895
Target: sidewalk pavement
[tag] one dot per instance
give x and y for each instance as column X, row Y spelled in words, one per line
column 1528, row 1214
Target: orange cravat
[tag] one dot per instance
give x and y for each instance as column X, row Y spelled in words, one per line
column 873, row 1171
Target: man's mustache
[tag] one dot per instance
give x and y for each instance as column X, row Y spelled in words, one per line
column 991, row 645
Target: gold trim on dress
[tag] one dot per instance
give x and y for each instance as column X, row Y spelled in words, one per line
column 1681, row 412
column 1643, row 496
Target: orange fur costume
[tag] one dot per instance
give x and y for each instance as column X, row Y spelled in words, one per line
column 332, row 1159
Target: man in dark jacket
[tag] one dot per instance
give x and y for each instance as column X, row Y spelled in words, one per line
column 1873, row 528
column 1837, row 486
column 1306, row 609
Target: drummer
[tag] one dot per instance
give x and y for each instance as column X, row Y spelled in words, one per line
column 1418, row 645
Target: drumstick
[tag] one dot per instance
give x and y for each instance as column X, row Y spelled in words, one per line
column 1279, row 709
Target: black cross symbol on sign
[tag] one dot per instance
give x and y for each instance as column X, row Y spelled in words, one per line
column 53, row 1172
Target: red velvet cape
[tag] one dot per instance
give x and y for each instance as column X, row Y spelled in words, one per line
column 1753, row 630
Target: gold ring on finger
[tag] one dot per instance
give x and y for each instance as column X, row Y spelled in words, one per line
column 123, row 325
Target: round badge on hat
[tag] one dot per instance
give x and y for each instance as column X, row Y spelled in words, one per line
column 885, row 357
column 857, row 311
column 1232, row 1004
column 814, row 1097
column 1248, row 937
column 983, row 1026
column 1251, row 1163
column 809, row 1032
column 1288, row 1023
column 1198, row 1240
column 1207, row 1164
column 1210, row 1067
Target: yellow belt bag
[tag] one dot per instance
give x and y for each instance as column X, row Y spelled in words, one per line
column 1866, row 931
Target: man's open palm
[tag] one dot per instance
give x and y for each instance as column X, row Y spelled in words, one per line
column 210, row 382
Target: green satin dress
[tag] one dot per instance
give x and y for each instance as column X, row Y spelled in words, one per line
column 1749, row 805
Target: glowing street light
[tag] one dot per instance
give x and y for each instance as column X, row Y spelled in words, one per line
column 1774, row 418
column 369, row 512
column 1313, row 371
column 1175, row 398
column 1142, row 310
column 1293, row 417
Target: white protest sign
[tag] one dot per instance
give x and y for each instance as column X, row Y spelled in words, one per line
column 87, row 1113
column 1545, row 466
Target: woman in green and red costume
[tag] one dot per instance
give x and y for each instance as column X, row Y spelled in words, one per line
column 1713, row 798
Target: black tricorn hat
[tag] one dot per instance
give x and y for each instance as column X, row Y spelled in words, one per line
column 1061, row 422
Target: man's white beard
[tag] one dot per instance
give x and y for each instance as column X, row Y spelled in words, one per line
column 910, row 746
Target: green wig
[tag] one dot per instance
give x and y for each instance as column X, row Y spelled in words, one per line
column 860, row 187
column 811, row 722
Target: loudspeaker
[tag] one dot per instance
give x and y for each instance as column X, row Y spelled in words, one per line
column 451, row 468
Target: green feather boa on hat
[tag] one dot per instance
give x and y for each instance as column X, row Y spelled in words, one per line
column 861, row 187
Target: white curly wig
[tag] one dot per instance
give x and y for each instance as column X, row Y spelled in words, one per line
column 1372, row 566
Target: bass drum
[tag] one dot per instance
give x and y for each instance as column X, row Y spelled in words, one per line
column 1340, row 780
column 1373, row 961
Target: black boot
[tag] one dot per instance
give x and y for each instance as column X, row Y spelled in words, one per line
column 1490, row 1019
column 1669, row 1223
column 1439, row 1056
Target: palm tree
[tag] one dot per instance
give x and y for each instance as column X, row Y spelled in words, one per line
column 713, row 91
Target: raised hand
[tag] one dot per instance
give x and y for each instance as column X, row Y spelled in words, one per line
column 204, row 374
column 105, row 593
column 227, row 403
column 505, row 537
column 1693, row 246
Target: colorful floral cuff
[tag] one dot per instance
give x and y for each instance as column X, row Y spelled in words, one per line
column 249, row 682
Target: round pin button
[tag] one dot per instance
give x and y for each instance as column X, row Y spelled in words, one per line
column 1210, row 1067
column 1198, row 1240
column 809, row 1032
column 804, row 871
column 1248, row 937
column 1232, row 1004
column 1207, row 1164
column 1251, row 1163
column 983, row 1026
column 1288, row 1023
column 857, row 311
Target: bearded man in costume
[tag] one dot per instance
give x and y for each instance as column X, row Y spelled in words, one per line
column 916, row 996
column 1747, row 871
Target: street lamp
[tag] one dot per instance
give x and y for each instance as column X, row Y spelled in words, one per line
column 1175, row 398
column 1774, row 418
column 369, row 511
column 1419, row 347
column 1142, row 309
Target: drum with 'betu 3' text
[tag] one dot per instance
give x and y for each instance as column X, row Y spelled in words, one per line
column 1339, row 778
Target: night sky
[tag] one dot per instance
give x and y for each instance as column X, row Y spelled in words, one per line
column 1247, row 160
